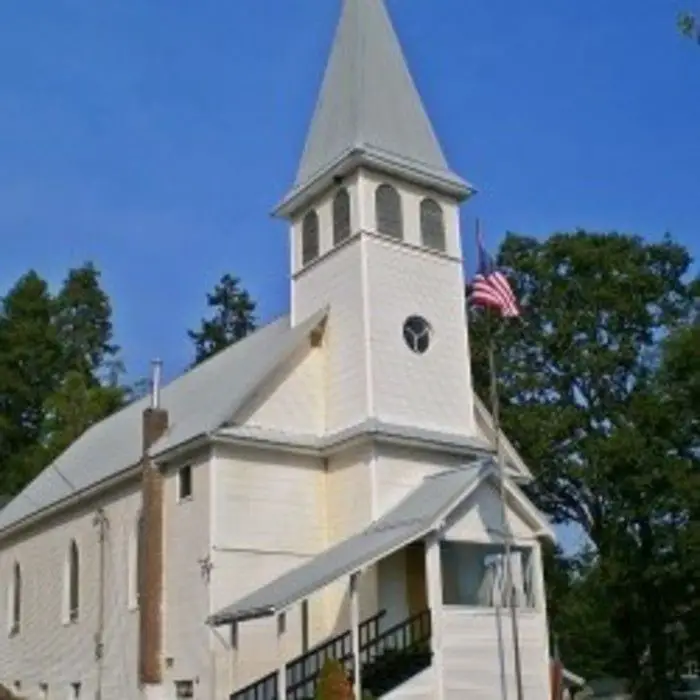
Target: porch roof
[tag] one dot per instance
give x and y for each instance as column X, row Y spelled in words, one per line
column 411, row 519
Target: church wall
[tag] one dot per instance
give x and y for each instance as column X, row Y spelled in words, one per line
column 350, row 509
column 411, row 197
column 48, row 649
column 399, row 470
column 186, row 637
column 432, row 390
column 336, row 280
column 268, row 516
column 293, row 401
column 479, row 519
column 478, row 654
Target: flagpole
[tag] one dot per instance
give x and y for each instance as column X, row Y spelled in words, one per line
column 506, row 534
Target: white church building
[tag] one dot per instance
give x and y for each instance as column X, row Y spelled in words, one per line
column 326, row 487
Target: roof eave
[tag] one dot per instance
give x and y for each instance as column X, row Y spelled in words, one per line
column 444, row 182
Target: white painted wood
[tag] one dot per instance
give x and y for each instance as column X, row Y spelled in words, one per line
column 478, row 654
column 293, row 399
column 392, row 589
column 479, row 519
column 355, row 634
column 281, row 657
column 433, row 571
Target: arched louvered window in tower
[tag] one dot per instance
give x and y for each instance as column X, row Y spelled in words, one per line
column 16, row 600
column 73, row 582
column 341, row 216
column 387, row 203
column 309, row 238
column 432, row 225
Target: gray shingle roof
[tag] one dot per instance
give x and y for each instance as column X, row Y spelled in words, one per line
column 198, row 402
column 368, row 101
column 412, row 518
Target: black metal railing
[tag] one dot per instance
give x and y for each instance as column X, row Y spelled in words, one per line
column 262, row 689
column 303, row 671
column 397, row 654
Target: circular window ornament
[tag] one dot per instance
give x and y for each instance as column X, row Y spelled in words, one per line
column 417, row 333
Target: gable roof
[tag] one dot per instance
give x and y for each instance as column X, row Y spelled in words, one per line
column 369, row 103
column 198, row 402
column 484, row 416
column 412, row 518
column 423, row 510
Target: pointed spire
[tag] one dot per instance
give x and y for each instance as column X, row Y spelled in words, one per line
column 369, row 107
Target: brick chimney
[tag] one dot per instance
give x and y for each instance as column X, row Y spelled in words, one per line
column 154, row 425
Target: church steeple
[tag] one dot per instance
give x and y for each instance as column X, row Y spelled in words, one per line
column 369, row 112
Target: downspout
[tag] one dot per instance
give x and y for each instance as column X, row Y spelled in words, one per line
column 100, row 521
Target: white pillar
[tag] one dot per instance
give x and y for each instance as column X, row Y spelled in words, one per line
column 355, row 633
column 234, row 655
column 433, row 570
column 281, row 659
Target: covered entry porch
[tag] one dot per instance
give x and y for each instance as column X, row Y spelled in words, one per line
column 397, row 641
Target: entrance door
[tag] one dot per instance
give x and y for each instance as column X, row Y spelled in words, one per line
column 416, row 583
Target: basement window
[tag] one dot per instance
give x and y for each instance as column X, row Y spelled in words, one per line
column 184, row 483
column 184, row 689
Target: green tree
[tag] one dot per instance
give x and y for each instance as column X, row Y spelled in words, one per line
column 584, row 400
column 30, row 358
column 232, row 318
column 59, row 370
column 83, row 318
column 688, row 25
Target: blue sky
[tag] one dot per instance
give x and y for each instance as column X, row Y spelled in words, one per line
column 153, row 138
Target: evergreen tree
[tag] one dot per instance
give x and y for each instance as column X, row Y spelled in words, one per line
column 83, row 318
column 233, row 318
column 30, row 354
column 58, row 370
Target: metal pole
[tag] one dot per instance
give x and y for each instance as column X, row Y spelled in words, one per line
column 101, row 523
column 495, row 409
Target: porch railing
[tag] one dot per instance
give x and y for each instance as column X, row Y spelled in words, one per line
column 304, row 669
column 388, row 659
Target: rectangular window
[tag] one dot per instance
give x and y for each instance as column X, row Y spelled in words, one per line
column 184, row 689
column 476, row 575
column 75, row 691
column 184, row 483
column 44, row 691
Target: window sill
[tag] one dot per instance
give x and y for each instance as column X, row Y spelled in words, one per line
column 70, row 621
column 185, row 500
column 14, row 632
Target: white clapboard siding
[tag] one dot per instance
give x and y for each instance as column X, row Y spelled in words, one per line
column 478, row 654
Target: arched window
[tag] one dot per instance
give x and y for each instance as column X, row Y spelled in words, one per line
column 16, row 599
column 309, row 238
column 432, row 225
column 73, row 580
column 341, row 216
column 387, row 202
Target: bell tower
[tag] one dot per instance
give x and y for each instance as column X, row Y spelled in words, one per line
column 375, row 236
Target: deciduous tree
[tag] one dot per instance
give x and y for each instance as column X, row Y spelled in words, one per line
column 586, row 402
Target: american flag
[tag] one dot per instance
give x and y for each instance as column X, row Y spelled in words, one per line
column 490, row 287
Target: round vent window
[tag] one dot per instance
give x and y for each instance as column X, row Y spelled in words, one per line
column 416, row 334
